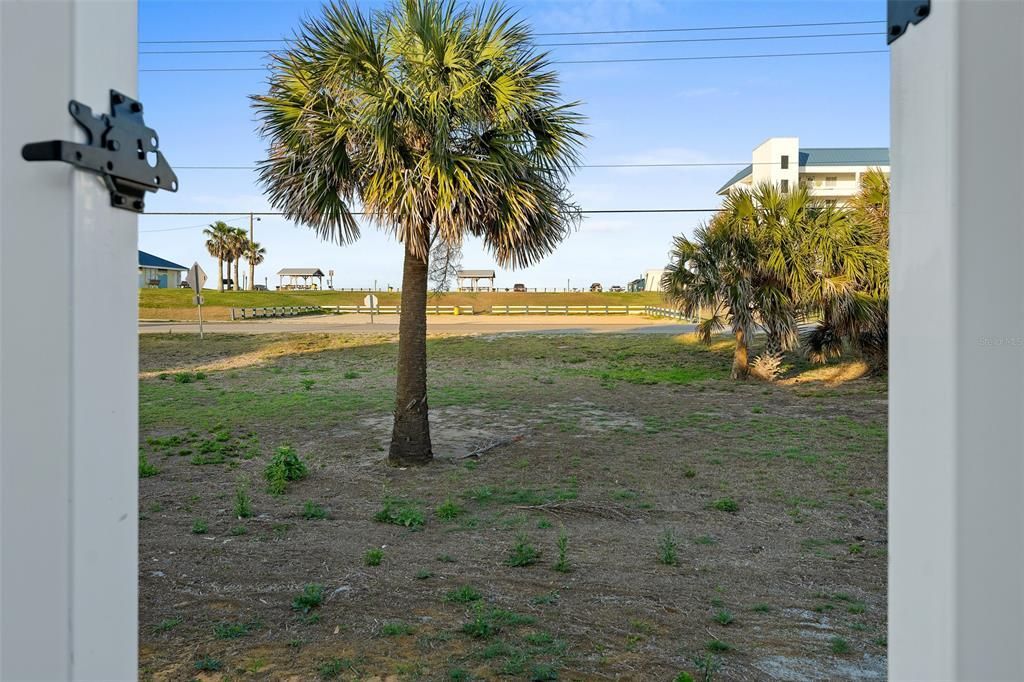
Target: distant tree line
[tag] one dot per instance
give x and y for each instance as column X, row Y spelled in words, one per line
column 229, row 245
column 812, row 275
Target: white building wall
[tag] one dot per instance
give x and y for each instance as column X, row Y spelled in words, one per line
column 768, row 159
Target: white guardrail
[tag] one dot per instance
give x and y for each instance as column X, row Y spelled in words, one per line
column 395, row 309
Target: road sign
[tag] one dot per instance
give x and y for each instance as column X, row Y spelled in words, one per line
column 370, row 301
column 196, row 278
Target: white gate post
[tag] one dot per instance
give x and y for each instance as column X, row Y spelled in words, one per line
column 956, row 443
column 68, row 355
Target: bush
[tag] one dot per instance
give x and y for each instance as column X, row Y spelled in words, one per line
column 284, row 467
column 312, row 596
column 400, row 514
column 726, row 504
column 312, row 510
column 448, row 510
column 766, row 367
column 523, row 553
column 145, row 468
column 667, row 549
column 373, row 557
column 243, row 503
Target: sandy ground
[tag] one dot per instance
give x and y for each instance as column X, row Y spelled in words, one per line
column 708, row 523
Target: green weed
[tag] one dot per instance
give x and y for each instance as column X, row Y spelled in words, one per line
column 667, row 546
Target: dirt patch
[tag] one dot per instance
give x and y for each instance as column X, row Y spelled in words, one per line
column 701, row 517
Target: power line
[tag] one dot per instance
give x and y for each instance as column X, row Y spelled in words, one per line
column 278, row 213
column 583, row 43
column 593, row 165
column 558, row 33
column 192, row 227
column 590, row 61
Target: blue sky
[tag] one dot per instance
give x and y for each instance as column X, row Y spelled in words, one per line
column 651, row 112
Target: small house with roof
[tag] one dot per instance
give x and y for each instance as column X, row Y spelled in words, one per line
column 159, row 273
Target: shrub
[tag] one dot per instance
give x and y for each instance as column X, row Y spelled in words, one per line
column 232, row 630
column 839, row 646
column 243, row 503
column 667, row 546
column 717, row 646
column 562, row 564
column 373, row 557
column 400, row 514
column 523, row 553
column 145, row 468
column 724, row 617
column 312, row 510
column 726, row 504
column 462, row 595
column 448, row 510
column 396, row 629
column 311, row 597
column 284, row 467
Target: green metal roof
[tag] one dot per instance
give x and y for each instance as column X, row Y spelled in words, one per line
column 827, row 156
column 736, row 178
column 844, row 156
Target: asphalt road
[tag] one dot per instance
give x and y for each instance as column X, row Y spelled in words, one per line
column 476, row 324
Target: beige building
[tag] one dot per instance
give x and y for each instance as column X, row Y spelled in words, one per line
column 832, row 173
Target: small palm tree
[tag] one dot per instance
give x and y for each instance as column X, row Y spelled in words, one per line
column 254, row 253
column 217, row 237
column 440, row 123
column 849, row 292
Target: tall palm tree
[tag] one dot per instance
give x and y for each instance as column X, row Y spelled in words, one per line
column 254, row 253
column 217, row 235
column 439, row 122
column 238, row 241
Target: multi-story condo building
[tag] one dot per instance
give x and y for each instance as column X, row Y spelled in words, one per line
column 831, row 173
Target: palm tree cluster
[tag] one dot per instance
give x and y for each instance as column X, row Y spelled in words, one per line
column 806, row 272
column 229, row 245
column 437, row 121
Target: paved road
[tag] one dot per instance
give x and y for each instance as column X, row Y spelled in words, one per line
column 477, row 324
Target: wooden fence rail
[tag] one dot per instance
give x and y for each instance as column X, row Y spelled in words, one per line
column 568, row 310
column 396, row 309
column 273, row 311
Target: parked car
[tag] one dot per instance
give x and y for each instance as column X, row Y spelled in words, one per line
column 519, row 287
column 596, row 286
column 184, row 284
column 260, row 287
column 616, row 289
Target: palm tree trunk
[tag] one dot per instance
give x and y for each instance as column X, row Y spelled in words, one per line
column 238, row 284
column 740, row 368
column 773, row 343
column 252, row 276
column 410, row 438
column 220, row 274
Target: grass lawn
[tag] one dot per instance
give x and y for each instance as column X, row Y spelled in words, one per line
column 177, row 303
column 642, row 516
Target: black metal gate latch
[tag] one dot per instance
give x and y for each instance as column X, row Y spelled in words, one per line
column 120, row 148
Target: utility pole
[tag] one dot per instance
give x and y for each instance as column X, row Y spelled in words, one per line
column 252, row 240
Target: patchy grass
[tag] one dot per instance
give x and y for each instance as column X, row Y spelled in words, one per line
column 614, row 439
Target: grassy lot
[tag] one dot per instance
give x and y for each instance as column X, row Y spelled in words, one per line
column 642, row 514
column 177, row 303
